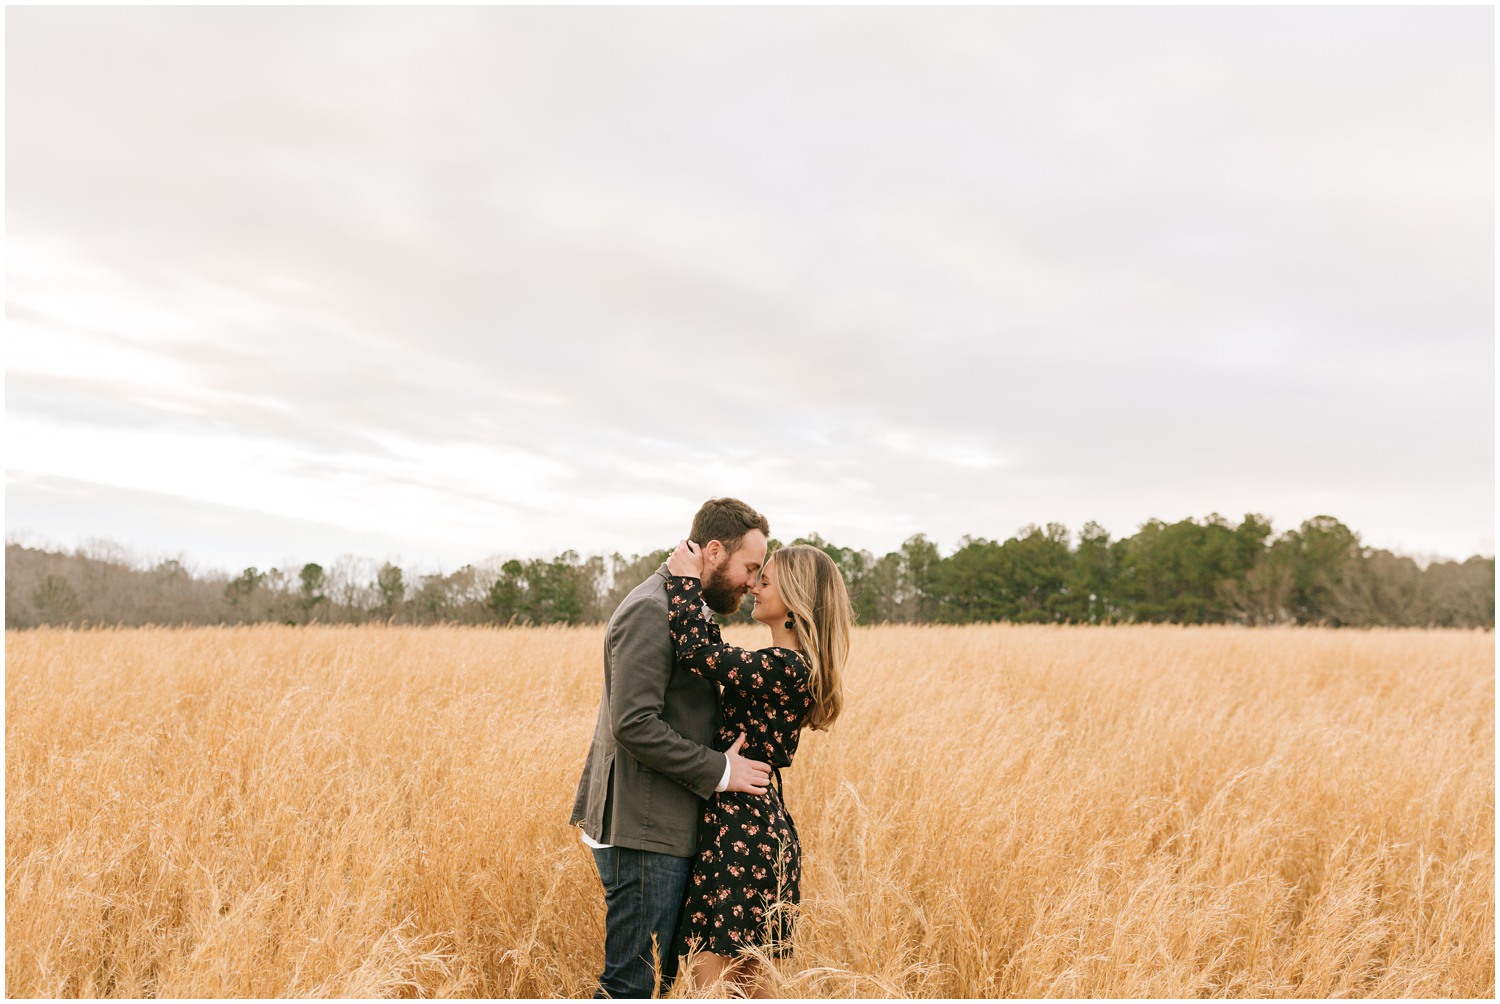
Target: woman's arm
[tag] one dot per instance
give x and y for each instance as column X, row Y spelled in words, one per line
column 700, row 647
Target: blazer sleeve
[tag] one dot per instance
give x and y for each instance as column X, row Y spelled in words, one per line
column 700, row 647
column 640, row 667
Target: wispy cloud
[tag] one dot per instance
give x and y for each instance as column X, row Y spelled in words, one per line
column 551, row 276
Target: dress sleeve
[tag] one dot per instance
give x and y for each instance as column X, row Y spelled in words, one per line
column 700, row 647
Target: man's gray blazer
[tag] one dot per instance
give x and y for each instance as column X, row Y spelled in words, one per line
column 649, row 762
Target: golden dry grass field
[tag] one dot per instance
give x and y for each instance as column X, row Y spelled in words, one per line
column 1002, row 811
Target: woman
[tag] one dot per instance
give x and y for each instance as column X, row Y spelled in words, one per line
column 746, row 876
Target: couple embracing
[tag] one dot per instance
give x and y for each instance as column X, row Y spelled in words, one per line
column 680, row 799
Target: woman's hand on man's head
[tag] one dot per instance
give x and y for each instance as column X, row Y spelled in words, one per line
column 686, row 560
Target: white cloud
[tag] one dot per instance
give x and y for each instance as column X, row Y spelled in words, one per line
column 545, row 278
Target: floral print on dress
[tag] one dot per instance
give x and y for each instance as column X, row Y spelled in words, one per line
column 746, row 879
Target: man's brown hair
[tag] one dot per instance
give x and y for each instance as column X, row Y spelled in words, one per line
column 727, row 521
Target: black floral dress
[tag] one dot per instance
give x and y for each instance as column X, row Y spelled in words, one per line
column 747, row 875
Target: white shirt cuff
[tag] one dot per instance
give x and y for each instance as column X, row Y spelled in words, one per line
column 724, row 784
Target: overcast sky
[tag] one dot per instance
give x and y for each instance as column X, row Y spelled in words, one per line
column 440, row 284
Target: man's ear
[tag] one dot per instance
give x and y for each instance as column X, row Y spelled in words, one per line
column 713, row 552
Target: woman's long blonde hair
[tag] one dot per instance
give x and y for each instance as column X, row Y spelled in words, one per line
column 813, row 590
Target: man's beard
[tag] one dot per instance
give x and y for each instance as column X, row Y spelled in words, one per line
column 720, row 594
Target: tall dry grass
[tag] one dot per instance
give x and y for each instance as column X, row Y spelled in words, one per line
column 1002, row 811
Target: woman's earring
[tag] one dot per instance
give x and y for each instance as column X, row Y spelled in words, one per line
column 789, row 621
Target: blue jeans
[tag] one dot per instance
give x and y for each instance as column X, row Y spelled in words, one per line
column 643, row 894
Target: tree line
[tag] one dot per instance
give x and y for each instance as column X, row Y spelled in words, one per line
column 1191, row 572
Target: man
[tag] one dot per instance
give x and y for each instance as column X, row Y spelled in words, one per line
column 650, row 762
